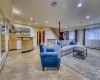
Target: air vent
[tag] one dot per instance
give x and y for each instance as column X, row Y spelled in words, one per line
column 81, row 22
column 53, row 4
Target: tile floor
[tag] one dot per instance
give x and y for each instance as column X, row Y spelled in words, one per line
column 27, row 66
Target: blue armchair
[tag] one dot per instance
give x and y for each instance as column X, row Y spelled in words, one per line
column 49, row 57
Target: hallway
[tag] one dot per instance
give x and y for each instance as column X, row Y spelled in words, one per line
column 27, row 67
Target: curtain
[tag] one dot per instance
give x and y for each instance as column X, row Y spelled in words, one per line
column 84, row 37
column 92, row 37
column 67, row 35
column 75, row 35
column 72, row 35
column 92, row 33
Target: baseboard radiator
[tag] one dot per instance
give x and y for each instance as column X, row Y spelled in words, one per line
column 93, row 44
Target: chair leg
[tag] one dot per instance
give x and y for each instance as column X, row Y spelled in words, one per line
column 43, row 68
column 58, row 68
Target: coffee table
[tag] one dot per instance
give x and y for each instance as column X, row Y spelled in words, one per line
column 80, row 52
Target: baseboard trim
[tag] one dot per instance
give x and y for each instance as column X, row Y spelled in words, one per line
column 12, row 49
column 3, row 50
column 92, row 48
column 27, row 51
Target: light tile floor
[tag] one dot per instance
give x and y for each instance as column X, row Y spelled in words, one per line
column 27, row 66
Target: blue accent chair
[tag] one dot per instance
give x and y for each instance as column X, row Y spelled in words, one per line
column 49, row 57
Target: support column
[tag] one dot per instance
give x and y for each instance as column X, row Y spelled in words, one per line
column 59, row 30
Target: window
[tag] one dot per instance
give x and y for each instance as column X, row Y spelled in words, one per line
column 72, row 35
column 92, row 33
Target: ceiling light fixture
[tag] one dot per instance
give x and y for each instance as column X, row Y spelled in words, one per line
column 87, row 17
column 17, row 12
column 19, row 21
column 46, row 21
column 35, row 23
column 79, row 5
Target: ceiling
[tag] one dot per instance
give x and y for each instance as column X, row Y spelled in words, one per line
column 6, row 9
column 66, row 11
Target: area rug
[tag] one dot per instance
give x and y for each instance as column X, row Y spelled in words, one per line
column 90, row 67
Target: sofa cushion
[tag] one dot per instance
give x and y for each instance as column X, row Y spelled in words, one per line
column 68, row 42
column 66, row 48
column 58, row 43
column 63, row 42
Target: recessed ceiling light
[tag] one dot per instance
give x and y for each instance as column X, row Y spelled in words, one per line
column 79, row 5
column 36, row 23
column 46, row 21
column 17, row 12
column 31, row 19
column 87, row 17
column 91, row 22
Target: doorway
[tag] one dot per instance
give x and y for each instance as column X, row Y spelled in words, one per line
column 40, row 36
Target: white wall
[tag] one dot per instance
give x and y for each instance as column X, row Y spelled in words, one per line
column 80, row 36
column 49, row 35
column 34, row 34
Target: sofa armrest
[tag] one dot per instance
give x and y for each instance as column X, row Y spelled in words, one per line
column 58, row 48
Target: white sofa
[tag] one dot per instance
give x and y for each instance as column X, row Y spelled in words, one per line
column 65, row 47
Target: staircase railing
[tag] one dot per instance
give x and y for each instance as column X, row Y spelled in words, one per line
column 55, row 33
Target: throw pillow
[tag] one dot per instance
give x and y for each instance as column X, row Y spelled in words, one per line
column 58, row 43
column 72, row 43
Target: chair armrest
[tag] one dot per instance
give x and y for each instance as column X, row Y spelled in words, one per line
column 58, row 61
column 47, row 54
column 50, row 49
